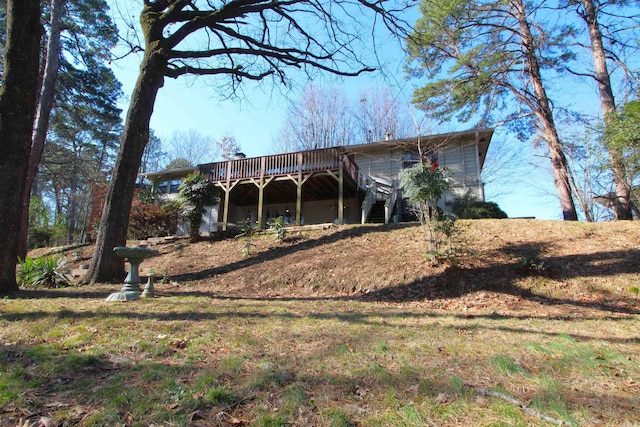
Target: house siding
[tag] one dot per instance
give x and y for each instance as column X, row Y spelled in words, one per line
column 462, row 162
column 383, row 163
column 461, row 159
column 463, row 153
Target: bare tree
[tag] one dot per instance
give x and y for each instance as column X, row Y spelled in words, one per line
column 380, row 116
column 193, row 146
column 321, row 118
column 152, row 156
column 327, row 118
column 18, row 98
column 587, row 161
column 237, row 39
column 502, row 165
column 228, row 147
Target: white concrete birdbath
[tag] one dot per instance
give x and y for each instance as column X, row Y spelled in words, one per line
column 134, row 256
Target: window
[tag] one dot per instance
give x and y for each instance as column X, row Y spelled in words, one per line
column 163, row 187
column 175, row 185
column 410, row 158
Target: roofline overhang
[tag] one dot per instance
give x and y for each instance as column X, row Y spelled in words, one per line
column 168, row 174
column 481, row 136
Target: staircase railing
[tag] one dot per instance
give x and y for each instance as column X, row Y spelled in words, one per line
column 390, row 201
column 369, row 200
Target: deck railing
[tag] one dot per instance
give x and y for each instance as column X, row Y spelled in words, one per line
column 279, row 165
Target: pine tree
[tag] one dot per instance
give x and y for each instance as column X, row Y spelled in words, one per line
column 486, row 57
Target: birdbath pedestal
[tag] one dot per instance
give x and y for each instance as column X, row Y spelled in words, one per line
column 134, row 256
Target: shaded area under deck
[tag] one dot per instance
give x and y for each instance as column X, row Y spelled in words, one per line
column 304, row 176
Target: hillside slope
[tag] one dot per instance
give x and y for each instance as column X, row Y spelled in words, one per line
column 502, row 266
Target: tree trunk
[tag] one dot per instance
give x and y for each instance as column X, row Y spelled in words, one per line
column 621, row 205
column 18, row 97
column 52, row 63
column 545, row 115
column 105, row 266
column 582, row 197
column 72, row 210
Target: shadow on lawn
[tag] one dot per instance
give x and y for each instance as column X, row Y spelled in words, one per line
column 528, row 263
column 525, row 261
column 281, row 251
column 114, row 384
column 374, row 318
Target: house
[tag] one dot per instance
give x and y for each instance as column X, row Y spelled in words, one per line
column 350, row 184
column 167, row 183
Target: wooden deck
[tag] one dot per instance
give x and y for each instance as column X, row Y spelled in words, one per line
column 325, row 173
column 279, row 165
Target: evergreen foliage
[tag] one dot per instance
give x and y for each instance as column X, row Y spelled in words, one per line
column 468, row 207
column 623, row 133
column 479, row 210
column 42, row 272
column 196, row 193
column 483, row 60
column 279, row 229
column 423, row 184
column 179, row 163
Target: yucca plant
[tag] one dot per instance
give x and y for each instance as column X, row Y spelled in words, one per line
column 278, row 227
column 42, row 272
column 247, row 233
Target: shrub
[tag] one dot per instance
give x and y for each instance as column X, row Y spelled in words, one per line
column 153, row 219
column 41, row 232
column 423, row 184
column 42, row 272
column 479, row 210
column 196, row 192
column 278, row 227
column 247, row 233
column 468, row 207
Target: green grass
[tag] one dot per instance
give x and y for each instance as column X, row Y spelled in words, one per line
column 337, row 418
column 327, row 363
column 506, row 365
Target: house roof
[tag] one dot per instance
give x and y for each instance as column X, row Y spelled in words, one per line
column 170, row 174
column 443, row 140
column 482, row 136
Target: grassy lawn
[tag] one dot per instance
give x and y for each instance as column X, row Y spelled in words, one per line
column 201, row 354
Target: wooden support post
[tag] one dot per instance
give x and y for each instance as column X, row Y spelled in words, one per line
column 261, row 184
column 299, row 191
column 227, row 190
column 298, row 181
column 299, row 203
column 261, row 193
column 225, row 212
column 260, row 203
column 227, row 187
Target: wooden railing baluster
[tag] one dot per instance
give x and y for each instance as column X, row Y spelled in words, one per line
column 280, row 164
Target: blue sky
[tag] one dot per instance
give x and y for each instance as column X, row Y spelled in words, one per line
column 256, row 116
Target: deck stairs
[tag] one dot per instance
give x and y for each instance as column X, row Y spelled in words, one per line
column 380, row 199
